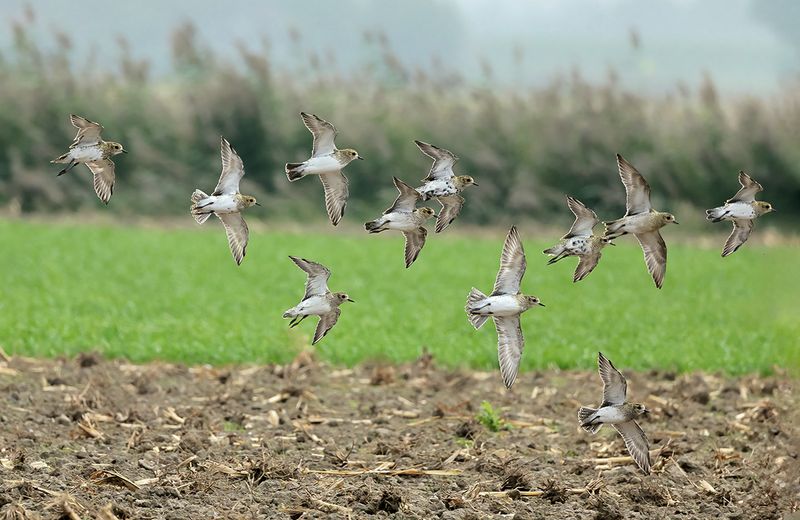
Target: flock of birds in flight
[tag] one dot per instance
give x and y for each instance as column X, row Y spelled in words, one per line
column 505, row 303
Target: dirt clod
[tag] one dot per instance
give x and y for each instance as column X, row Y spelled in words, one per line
column 306, row 440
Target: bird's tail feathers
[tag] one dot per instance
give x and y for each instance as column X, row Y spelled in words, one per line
column 294, row 171
column 374, row 226
column 557, row 252
column 715, row 214
column 612, row 228
column 474, row 297
column 198, row 195
column 61, row 159
column 199, row 216
column 583, row 414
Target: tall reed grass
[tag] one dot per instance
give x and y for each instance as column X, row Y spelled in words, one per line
column 526, row 147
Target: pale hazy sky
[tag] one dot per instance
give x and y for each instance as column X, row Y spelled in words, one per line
column 746, row 45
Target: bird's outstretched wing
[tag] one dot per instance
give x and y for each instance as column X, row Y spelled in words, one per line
column 585, row 219
column 414, row 242
column 232, row 170
column 88, row 131
column 747, row 193
column 585, row 266
column 326, row 323
column 739, row 235
column 238, row 234
column 324, row 133
column 636, row 188
column 451, row 207
column 336, row 194
column 318, row 275
column 614, row 384
column 512, row 265
column 103, row 178
column 443, row 161
column 636, row 442
column 655, row 255
column 406, row 201
column 510, row 343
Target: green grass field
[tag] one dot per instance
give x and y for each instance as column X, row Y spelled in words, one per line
column 177, row 295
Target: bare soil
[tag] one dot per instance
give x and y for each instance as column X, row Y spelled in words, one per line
column 92, row 438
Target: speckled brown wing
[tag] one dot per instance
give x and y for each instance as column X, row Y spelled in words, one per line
column 326, row 323
column 415, row 240
column 636, row 442
column 103, row 178
column 512, row 265
column 324, row 134
column 510, row 343
column 655, row 255
column 636, row 188
column 739, row 235
column 88, row 131
column 747, row 193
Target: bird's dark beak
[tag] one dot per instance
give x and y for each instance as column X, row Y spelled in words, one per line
column 774, row 210
column 610, row 243
column 542, row 305
column 257, row 204
column 360, row 158
column 646, row 411
column 475, row 183
column 124, row 151
column 677, row 222
column 351, row 300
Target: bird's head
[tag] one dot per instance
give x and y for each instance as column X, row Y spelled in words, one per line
column 115, row 148
column 248, row 201
column 668, row 218
column 343, row 297
column 532, row 301
column 465, row 180
column 426, row 212
column 763, row 207
column 348, row 155
column 639, row 409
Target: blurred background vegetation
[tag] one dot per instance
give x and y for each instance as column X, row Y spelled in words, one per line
column 527, row 142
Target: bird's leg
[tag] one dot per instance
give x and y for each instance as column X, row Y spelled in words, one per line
column 297, row 321
column 68, row 167
column 557, row 258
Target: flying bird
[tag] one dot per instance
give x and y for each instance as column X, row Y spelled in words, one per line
column 318, row 299
column 226, row 202
column 743, row 209
column 443, row 184
column 90, row 149
column 642, row 221
column 580, row 241
column 404, row 216
column 616, row 412
column 505, row 305
column 327, row 162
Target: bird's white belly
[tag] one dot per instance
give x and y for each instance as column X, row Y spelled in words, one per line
column 610, row 415
column 578, row 245
column 641, row 223
column 501, row 305
column 220, row 204
column 86, row 153
column 401, row 221
column 314, row 305
column 437, row 188
column 322, row 164
column 738, row 210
